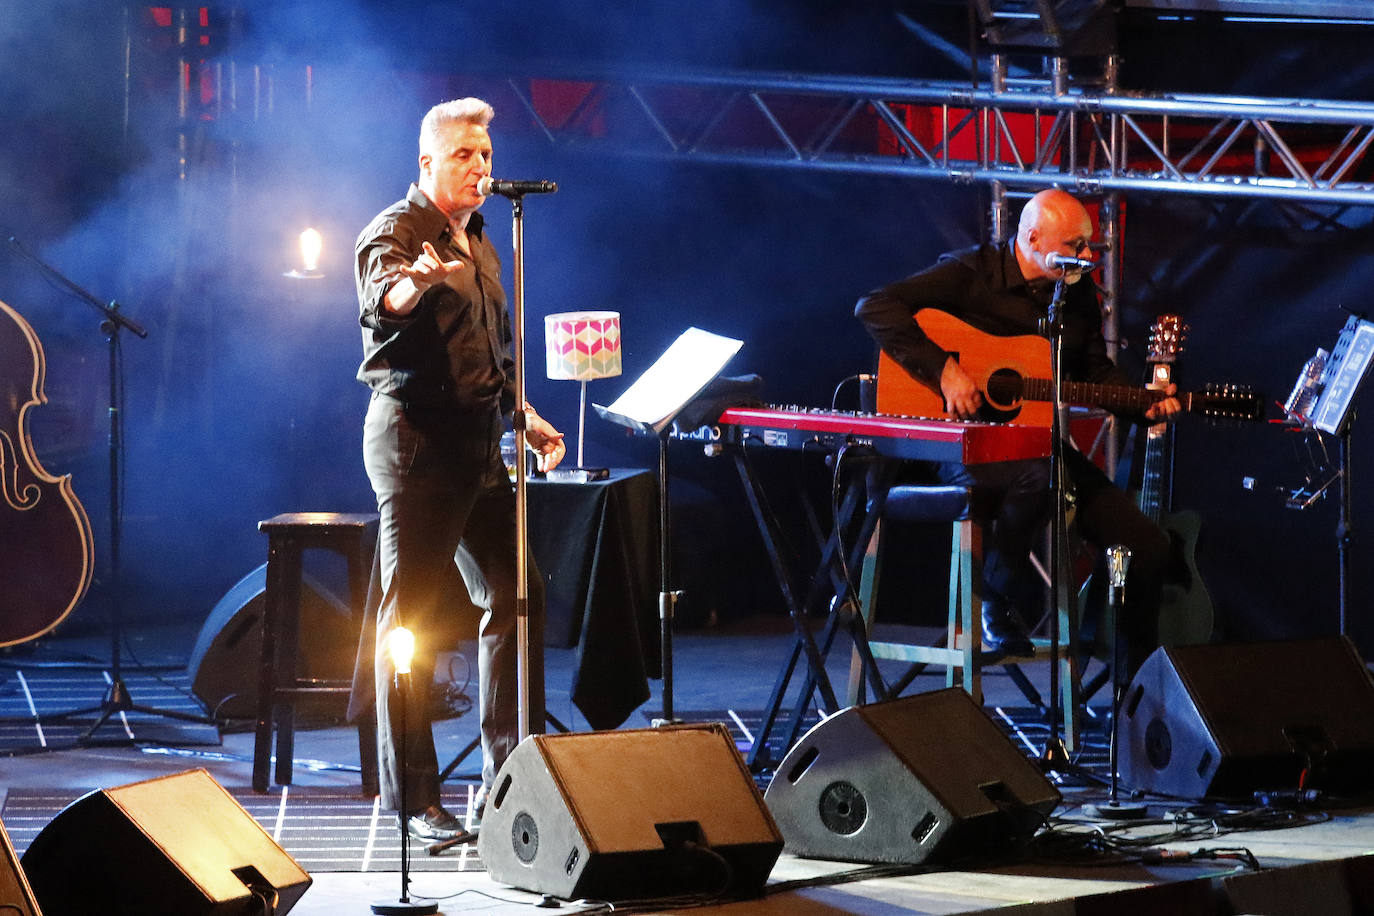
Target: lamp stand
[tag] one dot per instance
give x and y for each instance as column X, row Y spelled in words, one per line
column 581, row 421
column 579, row 474
column 404, row 905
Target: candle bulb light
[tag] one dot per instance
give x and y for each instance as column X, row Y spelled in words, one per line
column 311, row 246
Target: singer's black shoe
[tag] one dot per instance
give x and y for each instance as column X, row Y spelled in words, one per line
column 434, row 823
column 1003, row 630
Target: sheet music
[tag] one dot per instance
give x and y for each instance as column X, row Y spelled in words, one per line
column 1344, row 381
column 676, row 377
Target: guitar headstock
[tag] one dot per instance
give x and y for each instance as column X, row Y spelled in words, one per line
column 1166, row 342
column 1228, row 402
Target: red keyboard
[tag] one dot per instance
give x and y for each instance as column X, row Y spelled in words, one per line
column 913, row 438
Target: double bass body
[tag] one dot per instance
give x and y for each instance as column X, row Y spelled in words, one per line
column 46, row 554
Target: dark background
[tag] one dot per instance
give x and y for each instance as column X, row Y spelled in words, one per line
column 241, row 402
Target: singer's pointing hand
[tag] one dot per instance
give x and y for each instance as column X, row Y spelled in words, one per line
column 430, row 269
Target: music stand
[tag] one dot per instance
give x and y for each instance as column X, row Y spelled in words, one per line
column 1346, row 370
column 649, row 406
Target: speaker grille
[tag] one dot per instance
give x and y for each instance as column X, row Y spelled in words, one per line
column 843, row 808
column 524, row 837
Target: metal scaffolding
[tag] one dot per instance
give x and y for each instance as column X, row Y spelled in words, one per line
column 1023, row 134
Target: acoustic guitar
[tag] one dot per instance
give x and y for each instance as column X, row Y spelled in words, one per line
column 1013, row 374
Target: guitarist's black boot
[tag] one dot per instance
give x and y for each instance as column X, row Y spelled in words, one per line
column 1003, row 630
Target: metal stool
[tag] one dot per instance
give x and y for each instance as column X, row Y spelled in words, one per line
column 288, row 537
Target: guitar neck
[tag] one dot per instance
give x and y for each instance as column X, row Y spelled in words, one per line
column 1112, row 397
column 1156, row 479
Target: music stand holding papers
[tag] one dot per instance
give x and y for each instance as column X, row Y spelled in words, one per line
column 649, row 406
column 1346, row 370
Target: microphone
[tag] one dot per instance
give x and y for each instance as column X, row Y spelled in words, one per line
column 487, row 186
column 1064, row 262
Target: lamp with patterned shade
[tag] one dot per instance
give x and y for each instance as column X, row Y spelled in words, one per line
column 582, row 346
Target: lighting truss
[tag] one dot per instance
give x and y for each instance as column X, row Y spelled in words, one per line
column 1026, row 136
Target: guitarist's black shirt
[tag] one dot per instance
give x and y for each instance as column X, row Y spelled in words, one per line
column 983, row 286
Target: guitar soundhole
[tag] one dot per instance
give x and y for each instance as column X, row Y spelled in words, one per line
column 1002, row 399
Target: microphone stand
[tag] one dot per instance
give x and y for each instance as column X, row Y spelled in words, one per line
column 1118, row 560
column 1055, row 757
column 117, row 699
column 518, row 422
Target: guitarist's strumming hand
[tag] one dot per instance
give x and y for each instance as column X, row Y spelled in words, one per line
column 961, row 394
column 1166, row 410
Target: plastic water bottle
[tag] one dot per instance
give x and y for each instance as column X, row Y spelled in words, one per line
column 508, row 453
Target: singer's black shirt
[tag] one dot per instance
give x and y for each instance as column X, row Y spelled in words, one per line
column 984, row 287
column 454, row 349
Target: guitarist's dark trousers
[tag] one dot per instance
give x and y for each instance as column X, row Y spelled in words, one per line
column 1012, row 500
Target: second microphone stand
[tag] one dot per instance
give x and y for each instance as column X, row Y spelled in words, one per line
column 117, row 698
column 1055, row 757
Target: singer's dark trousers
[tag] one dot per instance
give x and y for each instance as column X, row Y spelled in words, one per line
column 1014, row 502
column 444, row 498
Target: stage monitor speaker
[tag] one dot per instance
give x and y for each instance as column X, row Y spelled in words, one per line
column 223, row 667
column 178, row 845
column 1231, row 720
column 621, row 815
column 928, row 777
column 1311, row 887
column 16, row 897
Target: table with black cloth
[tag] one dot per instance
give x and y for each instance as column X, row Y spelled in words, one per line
column 596, row 545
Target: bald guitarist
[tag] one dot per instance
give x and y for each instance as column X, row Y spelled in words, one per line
column 1005, row 291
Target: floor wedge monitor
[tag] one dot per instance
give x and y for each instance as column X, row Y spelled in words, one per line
column 1231, row 720
column 629, row 814
column 922, row 778
column 224, row 661
column 16, row 897
column 178, row 845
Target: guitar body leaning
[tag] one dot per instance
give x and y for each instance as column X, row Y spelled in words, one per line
column 1185, row 605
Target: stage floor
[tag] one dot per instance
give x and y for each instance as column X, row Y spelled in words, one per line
column 727, row 675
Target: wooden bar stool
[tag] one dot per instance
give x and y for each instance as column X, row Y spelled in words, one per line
column 289, row 535
column 961, row 646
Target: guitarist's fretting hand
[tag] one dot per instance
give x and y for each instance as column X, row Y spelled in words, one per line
column 1167, row 409
column 960, row 391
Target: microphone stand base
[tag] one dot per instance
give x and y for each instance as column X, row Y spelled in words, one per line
column 403, row 907
column 1055, row 758
column 1118, row 811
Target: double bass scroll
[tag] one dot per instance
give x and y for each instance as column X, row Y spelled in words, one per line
column 46, row 552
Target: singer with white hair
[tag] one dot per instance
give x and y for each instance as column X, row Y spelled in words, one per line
column 437, row 357
column 1005, row 291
